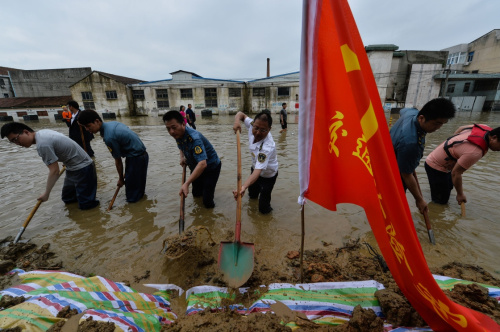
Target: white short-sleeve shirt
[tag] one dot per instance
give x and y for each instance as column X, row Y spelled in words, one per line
column 264, row 155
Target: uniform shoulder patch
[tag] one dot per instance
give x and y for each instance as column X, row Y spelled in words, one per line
column 261, row 158
column 198, row 149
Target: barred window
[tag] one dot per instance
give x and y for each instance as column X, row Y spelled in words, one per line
column 210, row 97
column 186, row 93
column 87, row 95
column 88, row 105
column 259, row 92
column 161, row 94
column 111, row 94
column 234, row 92
column 451, row 88
column 163, row 104
column 283, row 91
column 485, row 85
column 466, row 87
column 138, row 94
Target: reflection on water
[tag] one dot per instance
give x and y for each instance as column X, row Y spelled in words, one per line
column 129, row 237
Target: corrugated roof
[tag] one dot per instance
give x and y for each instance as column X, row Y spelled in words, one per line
column 33, row 102
column 4, row 70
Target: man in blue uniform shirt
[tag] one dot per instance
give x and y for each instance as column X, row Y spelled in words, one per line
column 198, row 154
column 122, row 143
column 408, row 140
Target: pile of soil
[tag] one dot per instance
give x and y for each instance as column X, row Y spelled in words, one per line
column 355, row 261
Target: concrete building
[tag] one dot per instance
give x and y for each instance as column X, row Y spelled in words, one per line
column 44, row 107
column 105, row 92
column 381, row 61
column 484, row 54
column 456, row 57
column 220, row 96
column 6, row 89
column 46, row 82
column 271, row 92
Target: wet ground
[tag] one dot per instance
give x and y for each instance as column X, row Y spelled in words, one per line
column 126, row 242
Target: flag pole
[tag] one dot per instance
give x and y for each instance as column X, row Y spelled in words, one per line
column 302, row 243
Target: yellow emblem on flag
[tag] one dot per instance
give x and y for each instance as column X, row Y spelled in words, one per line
column 350, row 58
column 261, row 158
column 197, row 149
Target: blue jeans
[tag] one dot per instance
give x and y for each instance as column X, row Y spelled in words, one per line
column 136, row 172
column 81, row 186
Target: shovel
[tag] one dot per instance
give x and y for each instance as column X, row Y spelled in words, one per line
column 181, row 213
column 426, row 216
column 236, row 258
column 27, row 221
column 113, row 199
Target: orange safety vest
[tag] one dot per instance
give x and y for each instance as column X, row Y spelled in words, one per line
column 478, row 136
column 66, row 115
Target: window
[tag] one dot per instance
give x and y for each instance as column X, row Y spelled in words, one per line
column 485, row 85
column 451, row 88
column 89, row 105
column 470, row 56
column 161, row 94
column 186, row 93
column 163, row 104
column 6, row 95
column 111, row 95
column 259, row 92
column 466, row 87
column 210, row 97
column 138, row 94
column 87, row 95
column 2, row 81
column 234, row 92
column 284, row 92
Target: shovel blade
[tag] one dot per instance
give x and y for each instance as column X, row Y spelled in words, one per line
column 236, row 262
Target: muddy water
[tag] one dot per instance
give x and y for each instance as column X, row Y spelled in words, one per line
column 126, row 241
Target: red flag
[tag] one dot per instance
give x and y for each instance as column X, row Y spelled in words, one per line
column 346, row 156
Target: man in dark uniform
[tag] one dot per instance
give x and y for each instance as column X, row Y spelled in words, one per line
column 198, row 154
column 191, row 117
column 76, row 132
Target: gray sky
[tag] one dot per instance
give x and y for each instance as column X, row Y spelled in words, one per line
column 214, row 38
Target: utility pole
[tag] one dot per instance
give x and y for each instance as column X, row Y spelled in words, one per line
column 443, row 94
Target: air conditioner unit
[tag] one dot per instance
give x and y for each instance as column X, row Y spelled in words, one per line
column 466, row 63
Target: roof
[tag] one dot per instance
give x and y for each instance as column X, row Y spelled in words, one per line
column 5, row 70
column 183, row 71
column 121, row 79
column 271, row 77
column 497, row 32
column 463, row 77
column 381, row 47
column 33, row 102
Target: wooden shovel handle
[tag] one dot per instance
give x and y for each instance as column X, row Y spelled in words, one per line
column 462, row 206
column 238, row 189
column 181, row 213
column 113, row 199
column 32, row 214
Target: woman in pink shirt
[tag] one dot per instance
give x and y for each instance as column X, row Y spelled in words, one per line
column 183, row 113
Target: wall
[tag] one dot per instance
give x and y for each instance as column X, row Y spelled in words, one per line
column 6, row 87
column 422, row 87
column 381, row 63
column 486, row 53
column 98, row 84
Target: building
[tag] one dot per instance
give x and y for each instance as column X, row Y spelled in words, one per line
column 218, row 95
column 484, row 54
column 6, row 89
column 44, row 107
column 46, row 82
column 271, row 92
column 105, row 92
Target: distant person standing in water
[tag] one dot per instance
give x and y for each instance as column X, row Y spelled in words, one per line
column 264, row 170
column 191, row 117
column 76, row 132
column 283, row 117
column 183, row 114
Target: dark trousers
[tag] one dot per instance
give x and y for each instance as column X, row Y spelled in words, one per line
column 81, row 186
column 136, row 171
column 262, row 189
column 193, row 125
column 205, row 184
column 441, row 184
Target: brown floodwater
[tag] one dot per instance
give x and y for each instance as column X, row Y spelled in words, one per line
column 127, row 241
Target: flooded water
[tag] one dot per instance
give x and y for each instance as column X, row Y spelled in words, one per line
column 127, row 240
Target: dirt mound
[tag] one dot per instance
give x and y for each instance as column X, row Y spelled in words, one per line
column 177, row 245
column 475, row 297
column 467, row 272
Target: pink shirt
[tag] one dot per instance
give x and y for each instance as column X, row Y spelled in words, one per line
column 467, row 154
column 184, row 116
